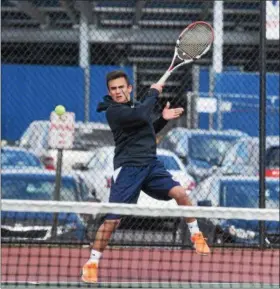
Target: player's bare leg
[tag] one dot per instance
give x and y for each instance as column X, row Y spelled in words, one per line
column 178, row 193
column 103, row 235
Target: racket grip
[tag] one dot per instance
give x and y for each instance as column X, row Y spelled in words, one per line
column 164, row 77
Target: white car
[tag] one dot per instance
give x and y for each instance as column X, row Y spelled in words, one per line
column 87, row 137
column 98, row 172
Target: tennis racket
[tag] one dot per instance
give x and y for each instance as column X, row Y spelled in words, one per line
column 195, row 40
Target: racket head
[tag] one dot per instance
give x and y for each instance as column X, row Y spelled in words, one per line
column 194, row 41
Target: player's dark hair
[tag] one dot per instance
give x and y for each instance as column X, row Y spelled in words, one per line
column 116, row 74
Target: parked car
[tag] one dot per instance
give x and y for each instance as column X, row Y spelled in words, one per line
column 244, row 193
column 99, row 170
column 39, row 184
column 243, row 157
column 239, row 192
column 87, row 137
column 241, row 160
column 13, row 157
column 272, row 163
column 200, row 150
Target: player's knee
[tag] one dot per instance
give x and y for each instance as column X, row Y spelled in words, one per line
column 177, row 192
column 112, row 224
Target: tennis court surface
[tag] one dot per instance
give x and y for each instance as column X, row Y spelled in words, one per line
column 27, row 264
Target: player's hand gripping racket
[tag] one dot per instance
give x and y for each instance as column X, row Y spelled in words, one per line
column 195, row 40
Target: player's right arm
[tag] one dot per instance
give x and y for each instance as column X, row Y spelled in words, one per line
column 156, row 86
column 127, row 116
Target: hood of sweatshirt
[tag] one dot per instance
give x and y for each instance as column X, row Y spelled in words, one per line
column 107, row 101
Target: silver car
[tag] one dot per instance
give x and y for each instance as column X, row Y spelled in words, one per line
column 242, row 160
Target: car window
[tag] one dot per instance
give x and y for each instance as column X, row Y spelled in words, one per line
column 101, row 160
column 86, row 139
column 84, row 190
column 242, row 154
column 68, row 192
column 35, row 136
column 169, row 162
column 176, row 142
column 25, row 139
column 15, row 158
column 36, row 189
column 210, row 149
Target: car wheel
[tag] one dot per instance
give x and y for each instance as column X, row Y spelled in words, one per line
column 222, row 237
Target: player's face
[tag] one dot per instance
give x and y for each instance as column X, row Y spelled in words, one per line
column 119, row 90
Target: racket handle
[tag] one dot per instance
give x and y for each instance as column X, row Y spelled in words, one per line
column 164, row 77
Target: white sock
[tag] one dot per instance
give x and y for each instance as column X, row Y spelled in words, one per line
column 193, row 227
column 95, row 255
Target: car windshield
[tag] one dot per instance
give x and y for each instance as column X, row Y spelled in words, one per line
column 32, row 189
column 169, row 162
column 87, row 139
column 10, row 159
column 209, row 148
column 101, row 160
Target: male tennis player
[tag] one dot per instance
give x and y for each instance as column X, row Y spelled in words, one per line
column 135, row 161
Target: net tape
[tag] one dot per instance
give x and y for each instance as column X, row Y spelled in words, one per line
column 139, row 210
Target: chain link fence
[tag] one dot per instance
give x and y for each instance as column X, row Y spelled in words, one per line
column 59, row 52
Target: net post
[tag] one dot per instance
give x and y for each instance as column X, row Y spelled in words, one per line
column 262, row 116
column 56, row 193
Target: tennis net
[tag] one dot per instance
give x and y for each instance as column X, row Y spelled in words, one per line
column 45, row 244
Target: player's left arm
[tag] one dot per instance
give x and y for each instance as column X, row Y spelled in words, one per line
column 159, row 124
column 167, row 114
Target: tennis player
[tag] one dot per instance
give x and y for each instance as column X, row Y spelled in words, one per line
column 135, row 162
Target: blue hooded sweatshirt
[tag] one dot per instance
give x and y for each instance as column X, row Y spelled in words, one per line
column 133, row 129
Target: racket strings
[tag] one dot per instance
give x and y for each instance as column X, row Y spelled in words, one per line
column 194, row 42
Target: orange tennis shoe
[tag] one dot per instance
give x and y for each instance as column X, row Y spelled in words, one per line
column 90, row 271
column 200, row 244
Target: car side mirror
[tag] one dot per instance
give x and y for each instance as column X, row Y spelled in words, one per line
column 80, row 167
column 184, row 159
column 93, row 195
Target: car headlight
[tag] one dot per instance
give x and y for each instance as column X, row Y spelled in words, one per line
column 241, row 233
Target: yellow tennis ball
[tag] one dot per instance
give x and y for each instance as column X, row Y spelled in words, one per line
column 59, row 110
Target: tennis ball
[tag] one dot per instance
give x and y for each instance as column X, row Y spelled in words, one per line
column 59, row 110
